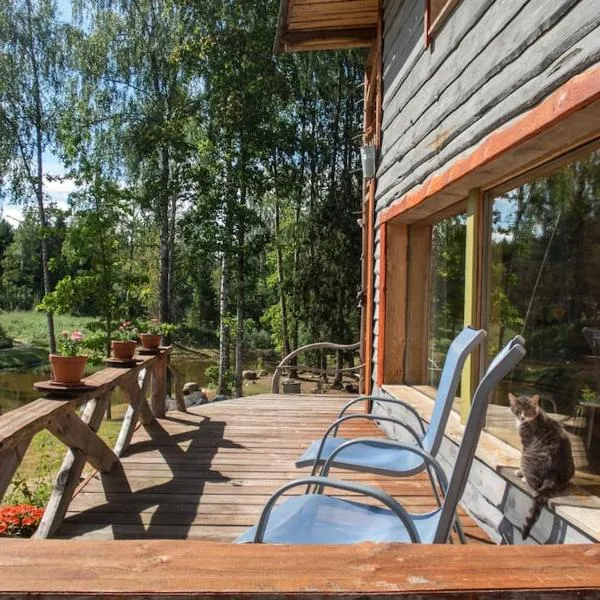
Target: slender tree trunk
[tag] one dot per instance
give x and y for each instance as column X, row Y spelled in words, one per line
column 285, row 340
column 223, row 327
column 239, row 338
column 39, row 183
column 163, row 218
column 171, row 269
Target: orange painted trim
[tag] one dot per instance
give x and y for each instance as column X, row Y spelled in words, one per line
column 370, row 278
column 382, row 302
column 574, row 95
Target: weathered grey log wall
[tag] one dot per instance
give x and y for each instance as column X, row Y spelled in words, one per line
column 498, row 505
column 491, row 61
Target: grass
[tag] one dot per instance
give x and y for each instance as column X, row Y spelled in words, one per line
column 30, row 327
column 22, row 357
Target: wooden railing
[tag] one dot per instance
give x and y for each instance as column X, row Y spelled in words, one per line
column 78, row 432
column 287, row 366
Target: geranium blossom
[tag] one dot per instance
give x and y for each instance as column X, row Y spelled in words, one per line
column 21, row 520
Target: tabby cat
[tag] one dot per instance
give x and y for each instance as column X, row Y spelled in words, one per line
column 546, row 461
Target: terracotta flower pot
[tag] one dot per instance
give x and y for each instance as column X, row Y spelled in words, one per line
column 67, row 369
column 123, row 349
column 150, row 341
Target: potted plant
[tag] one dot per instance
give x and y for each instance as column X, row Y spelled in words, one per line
column 153, row 331
column 69, row 364
column 124, row 341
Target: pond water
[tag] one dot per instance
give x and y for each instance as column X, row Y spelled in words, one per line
column 16, row 387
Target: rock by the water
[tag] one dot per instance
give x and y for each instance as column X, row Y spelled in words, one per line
column 196, row 398
column 249, row 375
column 190, row 387
column 193, row 399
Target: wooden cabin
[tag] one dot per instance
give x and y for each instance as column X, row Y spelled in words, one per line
column 483, row 211
column 485, row 115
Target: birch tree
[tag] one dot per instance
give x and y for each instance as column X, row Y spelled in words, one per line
column 32, row 69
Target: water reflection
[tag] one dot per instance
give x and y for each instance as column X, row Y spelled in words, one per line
column 16, row 387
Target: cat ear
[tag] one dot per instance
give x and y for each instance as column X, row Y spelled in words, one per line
column 535, row 400
column 512, row 399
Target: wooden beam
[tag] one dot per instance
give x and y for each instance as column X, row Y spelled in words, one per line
column 10, row 459
column 159, row 385
column 417, row 307
column 76, row 434
column 393, row 303
column 68, row 477
column 328, row 39
column 476, row 235
column 149, row 569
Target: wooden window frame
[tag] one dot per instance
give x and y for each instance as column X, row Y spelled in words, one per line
column 434, row 23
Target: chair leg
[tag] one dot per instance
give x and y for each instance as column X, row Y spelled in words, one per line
column 457, row 524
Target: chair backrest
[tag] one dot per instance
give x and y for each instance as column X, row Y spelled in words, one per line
column 462, row 345
column 518, row 339
column 508, row 358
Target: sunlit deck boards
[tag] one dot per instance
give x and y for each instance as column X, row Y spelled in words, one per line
column 206, row 475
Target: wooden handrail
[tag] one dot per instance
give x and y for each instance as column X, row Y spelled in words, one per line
column 284, row 364
column 79, row 433
column 169, row 569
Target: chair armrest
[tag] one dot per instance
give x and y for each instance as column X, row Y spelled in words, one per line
column 402, row 403
column 427, row 458
column 335, row 426
column 321, row 482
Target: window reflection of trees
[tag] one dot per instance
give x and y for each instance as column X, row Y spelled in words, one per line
column 545, row 252
column 447, row 291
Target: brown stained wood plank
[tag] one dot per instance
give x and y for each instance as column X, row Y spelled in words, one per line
column 207, row 474
column 177, row 569
column 74, row 433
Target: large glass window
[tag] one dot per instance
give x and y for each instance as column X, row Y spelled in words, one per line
column 447, row 291
column 545, row 285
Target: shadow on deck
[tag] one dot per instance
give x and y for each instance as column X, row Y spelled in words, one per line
column 206, row 474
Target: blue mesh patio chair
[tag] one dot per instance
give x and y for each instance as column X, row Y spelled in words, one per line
column 370, row 458
column 316, row 518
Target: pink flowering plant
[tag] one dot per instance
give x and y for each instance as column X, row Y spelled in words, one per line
column 155, row 327
column 126, row 332
column 71, row 343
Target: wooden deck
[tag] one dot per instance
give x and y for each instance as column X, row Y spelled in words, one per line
column 206, row 474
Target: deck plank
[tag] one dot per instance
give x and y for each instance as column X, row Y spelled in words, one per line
column 206, row 474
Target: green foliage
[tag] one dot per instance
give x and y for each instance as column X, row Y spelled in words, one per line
column 126, row 331
column 212, row 377
column 155, row 327
column 71, row 344
column 588, row 395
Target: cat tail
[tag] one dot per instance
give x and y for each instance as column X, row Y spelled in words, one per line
column 539, row 502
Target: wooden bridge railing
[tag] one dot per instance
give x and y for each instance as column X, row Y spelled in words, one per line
column 286, row 365
column 79, row 431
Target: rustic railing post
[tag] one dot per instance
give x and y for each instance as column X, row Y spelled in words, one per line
column 178, row 387
column 159, row 384
column 135, row 411
column 10, row 459
column 70, row 471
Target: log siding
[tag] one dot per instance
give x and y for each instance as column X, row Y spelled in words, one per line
column 491, row 63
